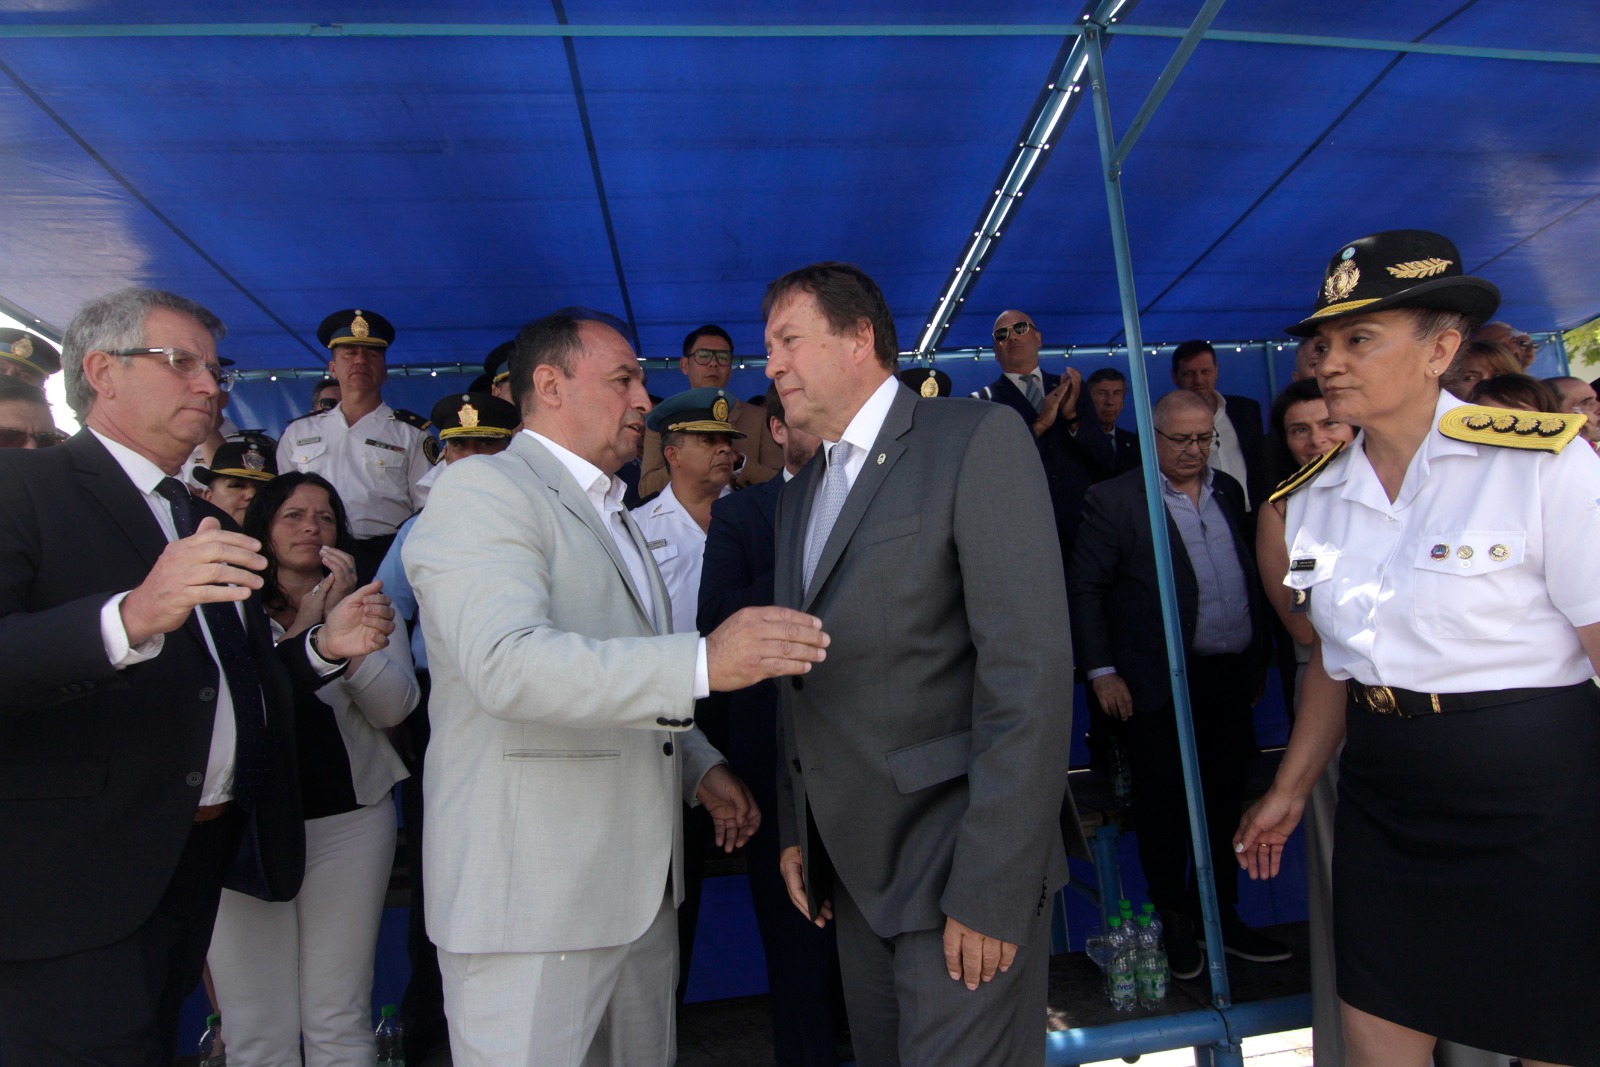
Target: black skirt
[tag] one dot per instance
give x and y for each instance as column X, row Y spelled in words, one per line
column 1466, row 863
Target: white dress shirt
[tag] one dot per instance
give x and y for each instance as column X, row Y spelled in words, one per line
column 862, row 433
column 1473, row 579
column 604, row 491
column 1227, row 455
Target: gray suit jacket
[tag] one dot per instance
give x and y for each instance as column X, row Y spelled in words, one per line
column 927, row 756
column 559, row 758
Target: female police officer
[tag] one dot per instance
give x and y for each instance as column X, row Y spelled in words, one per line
column 1447, row 559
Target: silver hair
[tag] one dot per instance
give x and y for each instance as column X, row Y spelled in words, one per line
column 115, row 321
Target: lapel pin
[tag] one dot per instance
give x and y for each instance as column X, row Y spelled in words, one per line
column 881, row 458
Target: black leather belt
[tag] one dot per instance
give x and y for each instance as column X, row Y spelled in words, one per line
column 1387, row 700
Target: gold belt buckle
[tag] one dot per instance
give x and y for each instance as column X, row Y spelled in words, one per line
column 1380, row 698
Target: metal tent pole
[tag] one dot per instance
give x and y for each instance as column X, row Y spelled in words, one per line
column 1226, row 1052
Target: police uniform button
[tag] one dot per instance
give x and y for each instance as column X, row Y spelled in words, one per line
column 193, row 778
column 798, row 683
column 208, row 693
column 666, row 749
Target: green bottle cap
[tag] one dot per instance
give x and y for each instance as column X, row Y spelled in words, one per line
column 212, row 1020
column 1143, row 920
column 1148, row 908
column 1114, row 921
column 389, row 1011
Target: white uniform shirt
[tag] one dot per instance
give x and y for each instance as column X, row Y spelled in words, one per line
column 679, row 546
column 1473, row 579
column 376, row 464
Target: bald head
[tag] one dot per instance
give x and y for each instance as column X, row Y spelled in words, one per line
column 1179, row 404
column 1016, row 352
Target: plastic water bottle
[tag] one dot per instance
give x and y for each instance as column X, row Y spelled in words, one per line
column 1155, row 922
column 211, row 1051
column 391, row 1043
column 1121, row 775
column 1122, row 981
column 1150, row 965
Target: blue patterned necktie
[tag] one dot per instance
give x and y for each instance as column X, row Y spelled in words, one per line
column 238, row 664
column 1034, row 391
column 835, row 487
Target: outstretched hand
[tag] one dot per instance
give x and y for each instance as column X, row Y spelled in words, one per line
column 754, row 644
column 209, row 566
column 358, row 624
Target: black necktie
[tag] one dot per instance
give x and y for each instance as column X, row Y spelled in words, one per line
column 238, row 664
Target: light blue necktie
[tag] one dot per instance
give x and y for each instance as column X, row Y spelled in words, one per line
column 835, row 487
column 1034, row 392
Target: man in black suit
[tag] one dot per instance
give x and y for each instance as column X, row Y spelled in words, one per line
column 146, row 748
column 1116, row 620
column 1048, row 403
column 802, row 961
column 1240, row 449
column 1114, row 450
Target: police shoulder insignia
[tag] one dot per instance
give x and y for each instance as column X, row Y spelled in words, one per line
column 411, row 418
column 430, row 448
column 1540, row 431
column 1305, row 474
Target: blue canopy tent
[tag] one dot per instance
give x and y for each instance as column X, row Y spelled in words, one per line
column 665, row 161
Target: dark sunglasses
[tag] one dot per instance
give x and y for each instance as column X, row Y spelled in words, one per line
column 1016, row 329
column 14, row 438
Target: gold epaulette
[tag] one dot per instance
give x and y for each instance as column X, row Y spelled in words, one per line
column 1542, row 431
column 1305, row 474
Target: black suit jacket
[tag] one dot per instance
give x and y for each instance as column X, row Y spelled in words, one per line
column 1114, row 597
column 1245, row 415
column 737, row 573
column 1069, row 468
column 101, row 769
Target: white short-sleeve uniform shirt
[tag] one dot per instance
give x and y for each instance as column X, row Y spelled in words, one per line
column 1474, row 578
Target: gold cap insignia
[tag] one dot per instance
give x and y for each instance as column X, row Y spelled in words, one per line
column 1419, row 268
column 22, row 348
column 469, row 416
column 359, row 327
column 1341, row 281
column 930, row 386
column 254, row 460
column 719, row 409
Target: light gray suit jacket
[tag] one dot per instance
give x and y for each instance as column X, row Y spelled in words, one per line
column 555, row 774
column 930, row 748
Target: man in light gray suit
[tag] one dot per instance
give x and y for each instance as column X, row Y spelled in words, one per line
column 927, row 758
column 563, row 724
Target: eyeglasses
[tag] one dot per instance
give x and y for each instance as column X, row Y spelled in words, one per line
column 1016, row 329
column 324, row 403
column 1184, row 442
column 185, row 363
column 707, row 356
column 11, row 437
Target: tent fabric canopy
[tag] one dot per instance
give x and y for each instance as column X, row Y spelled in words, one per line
column 665, row 161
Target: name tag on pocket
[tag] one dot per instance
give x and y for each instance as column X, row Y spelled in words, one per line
column 385, row 444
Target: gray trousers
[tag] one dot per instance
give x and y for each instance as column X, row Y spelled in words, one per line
column 905, row 1008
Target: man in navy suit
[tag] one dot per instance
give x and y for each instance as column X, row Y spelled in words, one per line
column 1240, row 449
column 1113, row 449
column 1048, row 403
column 146, row 747
column 802, row 960
column 1116, row 623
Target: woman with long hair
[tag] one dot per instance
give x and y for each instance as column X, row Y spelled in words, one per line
column 302, row 970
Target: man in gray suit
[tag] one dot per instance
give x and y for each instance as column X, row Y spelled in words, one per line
column 562, row 711
column 927, row 758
